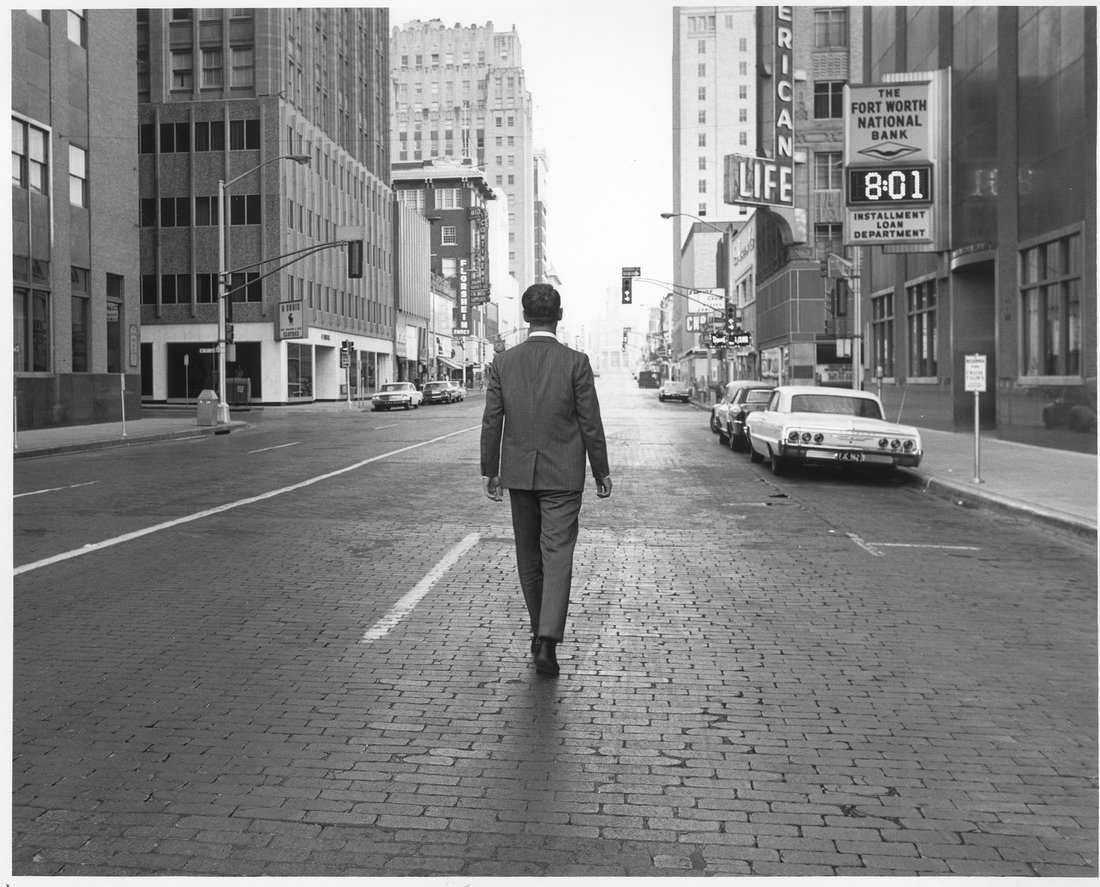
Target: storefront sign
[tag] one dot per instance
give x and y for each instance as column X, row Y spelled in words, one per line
column 888, row 123
column 291, row 321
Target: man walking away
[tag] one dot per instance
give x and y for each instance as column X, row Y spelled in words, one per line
column 541, row 419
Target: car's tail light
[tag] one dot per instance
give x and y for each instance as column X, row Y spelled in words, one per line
column 819, row 437
column 792, row 437
column 909, row 445
column 883, row 443
column 895, row 444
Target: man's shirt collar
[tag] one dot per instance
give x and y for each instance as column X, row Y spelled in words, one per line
column 544, row 334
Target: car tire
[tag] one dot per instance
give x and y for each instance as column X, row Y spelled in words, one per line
column 714, row 426
column 753, row 455
column 723, row 436
column 736, row 444
column 779, row 465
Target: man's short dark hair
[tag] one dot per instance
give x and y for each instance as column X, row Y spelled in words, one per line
column 541, row 302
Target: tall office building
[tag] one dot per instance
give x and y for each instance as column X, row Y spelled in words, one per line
column 226, row 95
column 75, row 322
column 714, row 91
column 459, row 93
column 713, row 111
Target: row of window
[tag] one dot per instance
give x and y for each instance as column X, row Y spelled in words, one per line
column 175, row 212
column 209, row 135
column 242, row 68
column 1051, row 317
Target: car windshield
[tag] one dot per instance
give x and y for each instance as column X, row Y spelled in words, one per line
column 395, row 386
column 839, row 404
column 761, row 395
column 436, row 385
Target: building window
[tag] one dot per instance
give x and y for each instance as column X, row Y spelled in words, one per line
column 76, row 28
column 244, row 135
column 28, row 156
column 175, row 212
column 702, row 140
column 702, row 93
column 830, row 28
column 206, row 211
column 210, row 135
column 147, row 212
column 78, row 278
column 182, row 70
column 828, row 171
column 78, row 176
column 175, row 289
column 1050, row 293
column 921, row 316
column 244, row 209
column 147, row 139
column 828, row 238
column 448, row 198
column 212, row 68
column 828, row 99
column 449, row 235
column 702, row 186
column 702, row 69
column 206, row 288
column 243, row 74
column 175, row 137
column 703, row 117
column 245, row 287
column 882, row 335
column 743, row 92
column 702, row 163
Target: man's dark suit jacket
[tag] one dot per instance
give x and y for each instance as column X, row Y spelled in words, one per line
column 541, row 419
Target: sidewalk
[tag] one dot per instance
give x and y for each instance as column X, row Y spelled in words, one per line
column 1055, row 487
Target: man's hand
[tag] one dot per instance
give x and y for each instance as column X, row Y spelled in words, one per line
column 492, row 488
column 603, row 487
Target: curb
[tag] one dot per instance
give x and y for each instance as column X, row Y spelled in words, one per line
column 128, row 441
column 968, row 496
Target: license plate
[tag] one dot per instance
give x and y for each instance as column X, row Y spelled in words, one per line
column 849, row 456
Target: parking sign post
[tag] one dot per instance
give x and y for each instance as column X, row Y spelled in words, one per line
column 975, row 381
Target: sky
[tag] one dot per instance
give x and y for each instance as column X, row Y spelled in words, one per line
column 600, row 78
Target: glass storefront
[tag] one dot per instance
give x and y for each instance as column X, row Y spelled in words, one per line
column 299, row 370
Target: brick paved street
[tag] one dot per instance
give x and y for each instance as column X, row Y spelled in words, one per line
column 764, row 700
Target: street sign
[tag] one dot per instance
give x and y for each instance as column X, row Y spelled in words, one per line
column 632, row 272
column 741, row 340
column 975, row 373
column 213, row 350
column 291, row 320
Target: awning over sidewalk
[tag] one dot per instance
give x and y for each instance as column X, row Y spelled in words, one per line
column 449, row 363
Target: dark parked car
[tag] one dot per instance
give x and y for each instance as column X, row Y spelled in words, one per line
column 648, row 379
column 675, row 390
column 748, row 400
column 438, row 392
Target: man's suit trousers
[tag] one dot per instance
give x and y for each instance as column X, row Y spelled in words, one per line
column 545, row 526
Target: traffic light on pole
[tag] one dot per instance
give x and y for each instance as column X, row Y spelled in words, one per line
column 628, row 290
column 355, row 258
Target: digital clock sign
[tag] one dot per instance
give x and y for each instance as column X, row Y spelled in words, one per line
column 890, row 185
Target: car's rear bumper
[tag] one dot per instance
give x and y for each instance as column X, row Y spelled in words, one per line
column 850, row 458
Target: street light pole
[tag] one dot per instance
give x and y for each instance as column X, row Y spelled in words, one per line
column 223, row 283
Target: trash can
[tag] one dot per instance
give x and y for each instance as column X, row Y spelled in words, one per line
column 207, row 411
column 238, row 391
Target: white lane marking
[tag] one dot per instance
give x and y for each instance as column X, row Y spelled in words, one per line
column 872, row 548
column 186, row 519
column 391, row 425
column 278, row 447
column 86, row 483
column 866, row 546
column 408, row 602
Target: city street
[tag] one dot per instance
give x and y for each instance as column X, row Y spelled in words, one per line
column 300, row 649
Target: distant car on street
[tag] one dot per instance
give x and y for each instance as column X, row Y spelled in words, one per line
column 648, row 379
column 721, row 412
column 397, row 394
column 674, row 390
column 458, row 390
column 804, row 424
column 438, row 392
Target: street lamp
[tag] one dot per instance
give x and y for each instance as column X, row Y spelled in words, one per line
column 223, row 186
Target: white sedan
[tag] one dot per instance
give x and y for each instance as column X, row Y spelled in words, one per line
column 829, row 426
column 397, row 394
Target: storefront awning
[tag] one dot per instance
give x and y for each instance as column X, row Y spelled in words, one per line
column 449, row 363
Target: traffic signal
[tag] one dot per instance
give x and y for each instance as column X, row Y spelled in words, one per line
column 355, row 258
column 228, row 333
column 731, row 316
column 628, row 290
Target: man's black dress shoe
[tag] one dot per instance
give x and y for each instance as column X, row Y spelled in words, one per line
column 545, row 660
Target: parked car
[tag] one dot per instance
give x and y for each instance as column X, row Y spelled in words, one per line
column 720, row 413
column 458, row 390
column 648, row 379
column 749, row 400
column 438, row 392
column 1073, row 406
column 804, row 424
column 397, row 394
column 674, row 389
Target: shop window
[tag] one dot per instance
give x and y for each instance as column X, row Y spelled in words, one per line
column 1050, row 295
column 299, row 369
column 31, row 330
column 882, row 335
column 921, row 322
